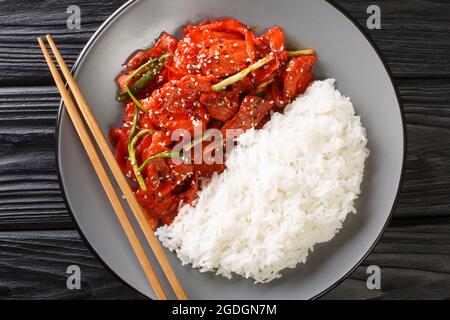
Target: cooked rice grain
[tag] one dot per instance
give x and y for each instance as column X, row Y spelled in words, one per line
column 287, row 187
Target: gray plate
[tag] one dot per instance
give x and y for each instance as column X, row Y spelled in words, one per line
column 345, row 54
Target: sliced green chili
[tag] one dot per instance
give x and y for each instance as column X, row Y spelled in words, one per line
column 173, row 154
column 242, row 74
column 165, row 154
column 264, row 85
column 133, row 125
column 196, row 141
column 305, row 52
column 132, row 157
column 154, row 66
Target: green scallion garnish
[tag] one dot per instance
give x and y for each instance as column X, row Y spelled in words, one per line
column 242, row 74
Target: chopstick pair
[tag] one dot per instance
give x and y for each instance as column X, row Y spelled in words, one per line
column 117, row 173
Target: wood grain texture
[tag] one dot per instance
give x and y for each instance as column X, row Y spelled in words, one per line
column 414, row 260
column 413, row 254
column 33, row 265
column 426, row 187
column 30, row 196
column 406, row 40
column 21, row 61
column 414, row 36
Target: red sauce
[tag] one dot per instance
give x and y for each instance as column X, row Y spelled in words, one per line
column 181, row 97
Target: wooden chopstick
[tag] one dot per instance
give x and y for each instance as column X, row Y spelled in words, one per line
column 104, row 179
column 103, row 176
column 118, row 175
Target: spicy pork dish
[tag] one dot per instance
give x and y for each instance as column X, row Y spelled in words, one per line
column 240, row 159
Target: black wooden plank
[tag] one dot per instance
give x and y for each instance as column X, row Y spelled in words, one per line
column 413, row 47
column 426, row 186
column 414, row 262
column 21, row 61
column 30, row 197
column 33, row 265
column 414, row 35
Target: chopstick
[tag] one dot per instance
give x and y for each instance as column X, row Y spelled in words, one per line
column 117, row 173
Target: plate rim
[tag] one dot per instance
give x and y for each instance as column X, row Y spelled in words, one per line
column 87, row 47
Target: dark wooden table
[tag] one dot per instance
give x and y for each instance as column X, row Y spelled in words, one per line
column 37, row 237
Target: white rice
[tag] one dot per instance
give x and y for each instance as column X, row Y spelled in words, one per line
column 287, row 187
